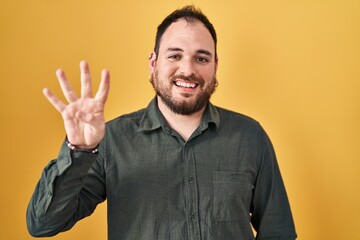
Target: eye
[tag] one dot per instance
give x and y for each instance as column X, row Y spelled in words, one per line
column 174, row 57
column 202, row 59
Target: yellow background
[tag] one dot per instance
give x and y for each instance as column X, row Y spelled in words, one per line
column 292, row 65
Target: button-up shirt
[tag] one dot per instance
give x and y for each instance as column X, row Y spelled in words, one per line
column 217, row 185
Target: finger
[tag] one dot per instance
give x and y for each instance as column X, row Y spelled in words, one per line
column 66, row 88
column 59, row 105
column 86, row 88
column 104, row 87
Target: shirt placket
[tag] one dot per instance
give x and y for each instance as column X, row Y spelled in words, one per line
column 191, row 193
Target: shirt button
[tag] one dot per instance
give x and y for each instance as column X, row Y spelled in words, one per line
column 192, row 216
column 190, row 179
column 234, row 176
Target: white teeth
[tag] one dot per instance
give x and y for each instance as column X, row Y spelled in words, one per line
column 185, row 84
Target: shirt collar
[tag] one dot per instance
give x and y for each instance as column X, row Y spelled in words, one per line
column 153, row 118
column 211, row 115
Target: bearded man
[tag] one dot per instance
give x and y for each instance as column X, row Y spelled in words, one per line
column 180, row 169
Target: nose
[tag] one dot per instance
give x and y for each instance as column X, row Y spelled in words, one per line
column 187, row 67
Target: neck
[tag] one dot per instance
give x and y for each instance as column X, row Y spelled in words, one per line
column 185, row 125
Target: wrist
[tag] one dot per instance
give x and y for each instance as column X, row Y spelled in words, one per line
column 81, row 149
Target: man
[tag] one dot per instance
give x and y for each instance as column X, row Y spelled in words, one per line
column 179, row 169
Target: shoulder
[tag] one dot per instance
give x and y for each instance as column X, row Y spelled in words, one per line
column 240, row 126
column 235, row 119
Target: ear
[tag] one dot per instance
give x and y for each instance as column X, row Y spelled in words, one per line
column 216, row 63
column 152, row 62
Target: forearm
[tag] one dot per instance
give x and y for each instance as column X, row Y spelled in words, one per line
column 61, row 197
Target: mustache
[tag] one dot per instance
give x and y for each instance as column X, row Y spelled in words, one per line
column 191, row 78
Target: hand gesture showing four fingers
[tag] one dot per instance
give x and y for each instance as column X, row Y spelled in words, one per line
column 83, row 116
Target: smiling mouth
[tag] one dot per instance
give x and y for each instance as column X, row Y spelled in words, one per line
column 186, row 84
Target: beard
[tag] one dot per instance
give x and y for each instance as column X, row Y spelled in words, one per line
column 183, row 106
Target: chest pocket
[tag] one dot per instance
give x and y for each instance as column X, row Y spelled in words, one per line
column 232, row 195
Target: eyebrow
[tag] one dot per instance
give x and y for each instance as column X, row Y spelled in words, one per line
column 202, row 51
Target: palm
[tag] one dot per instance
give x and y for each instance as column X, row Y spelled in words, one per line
column 83, row 117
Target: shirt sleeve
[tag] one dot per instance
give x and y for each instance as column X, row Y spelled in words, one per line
column 69, row 189
column 271, row 214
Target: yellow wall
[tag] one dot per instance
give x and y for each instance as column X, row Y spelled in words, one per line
column 292, row 65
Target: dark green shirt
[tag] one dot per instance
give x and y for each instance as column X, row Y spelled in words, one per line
column 217, row 184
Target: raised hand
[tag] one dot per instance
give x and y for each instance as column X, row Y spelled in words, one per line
column 83, row 117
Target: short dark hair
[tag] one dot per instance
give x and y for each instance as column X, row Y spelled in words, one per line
column 190, row 14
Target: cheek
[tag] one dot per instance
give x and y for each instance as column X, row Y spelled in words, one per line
column 166, row 69
column 208, row 75
column 164, row 72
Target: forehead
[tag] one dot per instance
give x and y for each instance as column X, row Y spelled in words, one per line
column 187, row 36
